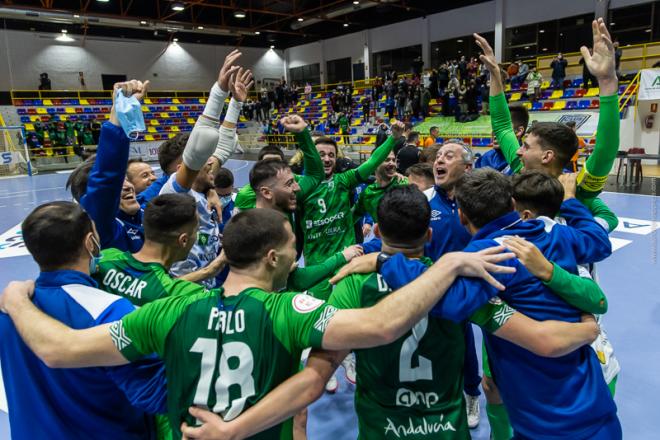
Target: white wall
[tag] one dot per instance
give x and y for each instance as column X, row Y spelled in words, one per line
column 182, row 66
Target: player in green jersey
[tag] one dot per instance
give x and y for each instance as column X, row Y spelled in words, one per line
column 327, row 220
column 412, row 387
column 170, row 226
column 227, row 348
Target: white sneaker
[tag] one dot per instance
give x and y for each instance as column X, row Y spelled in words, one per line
column 472, row 407
column 332, row 385
column 349, row 365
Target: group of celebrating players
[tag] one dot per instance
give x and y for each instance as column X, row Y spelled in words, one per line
column 187, row 299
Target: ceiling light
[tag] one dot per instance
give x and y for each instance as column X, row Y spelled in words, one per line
column 526, row 47
column 143, row 22
column 345, row 24
column 64, row 31
column 301, row 19
column 356, row 2
column 176, row 40
column 76, row 16
column 103, row 1
column 541, row 31
column 459, row 41
column 647, row 30
column 178, row 7
column 64, row 37
column 257, row 33
column 239, row 13
column 200, row 28
column 459, row 51
column 612, row 24
column 545, row 49
column 272, row 47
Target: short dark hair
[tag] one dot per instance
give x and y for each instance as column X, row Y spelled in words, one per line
column 54, row 233
column 166, row 214
column 571, row 124
column 270, row 149
column 539, row 192
column 519, row 116
column 433, row 128
column 265, row 170
column 421, row 169
column 558, row 138
column 132, row 161
column 429, row 154
column 327, row 140
column 404, row 214
column 484, row 195
column 250, row 234
column 413, row 136
column 77, row 181
column 224, row 178
column 171, row 150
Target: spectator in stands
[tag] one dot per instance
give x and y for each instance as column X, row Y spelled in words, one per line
column 308, row 91
column 169, row 158
column 382, row 134
column 344, row 128
column 140, row 174
column 401, row 142
column 425, row 99
column 558, row 66
column 534, row 80
column 428, row 154
column 409, row 154
column 421, row 175
column 523, row 70
column 472, row 98
column 44, row 82
column 433, row 135
column 512, row 71
column 443, row 79
column 454, row 83
column 447, row 109
column 587, row 77
column 377, row 89
column 433, row 84
column 462, row 69
column 484, row 92
column 366, row 109
column 401, row 98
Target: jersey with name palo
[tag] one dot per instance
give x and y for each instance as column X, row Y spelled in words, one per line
column 224, row 353
column 413, row 387
column 141, row 283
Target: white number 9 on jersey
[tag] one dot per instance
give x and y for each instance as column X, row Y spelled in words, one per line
column 321, row 204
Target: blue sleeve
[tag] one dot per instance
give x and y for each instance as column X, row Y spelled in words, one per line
column 152, row 191
column 372, row 246
column 590, row 241
column 367, row 220
column 101, row 201
column 398, row 270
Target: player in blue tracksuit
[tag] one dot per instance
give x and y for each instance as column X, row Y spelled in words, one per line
column 59, row 403
column 558, row 398
column 494, row 159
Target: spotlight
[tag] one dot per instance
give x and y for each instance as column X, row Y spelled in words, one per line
column 143, row 22
column 356, row 2
column 178, row 7
column 239, row 13
column 257, row 33
column 201, row 28
column 176, row 40
column 459, row 41
column 64, row 31
column 64, row 37
column 345, row 24
column 76, row 16
column 272, row 47
column 103, row 1
column 301, row 19
column 541, row 31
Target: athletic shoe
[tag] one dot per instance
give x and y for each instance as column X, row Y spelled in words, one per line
column 332, row 385
column 349, row 366
column 472, row 406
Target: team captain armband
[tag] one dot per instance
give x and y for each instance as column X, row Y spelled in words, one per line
column 589, row 182
column 493, row 315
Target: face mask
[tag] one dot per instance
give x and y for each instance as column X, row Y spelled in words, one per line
column 96, row 257
column 225, row 200
column 129, row 113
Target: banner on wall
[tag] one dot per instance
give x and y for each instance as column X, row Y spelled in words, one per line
column 649, row 85
column 145, row 151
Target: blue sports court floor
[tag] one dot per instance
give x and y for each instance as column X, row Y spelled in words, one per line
column 630, row 278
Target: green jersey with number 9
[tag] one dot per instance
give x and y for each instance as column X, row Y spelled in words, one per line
column 224, row 353
column 413, row 387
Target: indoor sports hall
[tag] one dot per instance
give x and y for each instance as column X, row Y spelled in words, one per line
column 359, row 75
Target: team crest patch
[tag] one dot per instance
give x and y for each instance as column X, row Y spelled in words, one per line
column 305, row 303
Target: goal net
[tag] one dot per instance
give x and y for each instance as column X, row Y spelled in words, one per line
column 14, row 158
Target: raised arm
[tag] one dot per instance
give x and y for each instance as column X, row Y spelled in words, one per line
column 379, row 155
column 57, row 345
column 304, row 278
column 398, row 312
column 601, row 64
column 312, row 164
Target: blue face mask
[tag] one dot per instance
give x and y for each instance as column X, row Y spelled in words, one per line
column 225, row 200
column 129, row 113
column 96, row 257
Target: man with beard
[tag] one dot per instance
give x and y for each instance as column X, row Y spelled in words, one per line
column 386, row 177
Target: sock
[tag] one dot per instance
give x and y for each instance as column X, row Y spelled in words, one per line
column 500, row 428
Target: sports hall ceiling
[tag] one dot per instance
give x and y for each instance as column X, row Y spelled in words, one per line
column 263, row 23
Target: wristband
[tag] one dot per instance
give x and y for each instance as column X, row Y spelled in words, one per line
column 380, row 260
column 215, row 102
column 233, row 111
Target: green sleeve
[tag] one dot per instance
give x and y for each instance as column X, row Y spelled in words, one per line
column 300, row 320
column 145, row 330
column 601, row 212
column 352, row 178
column 360, row 208
column 597, row 168
column 311, row 163
column 493, row 315
column 304, row 278
column 500, row 120
column 183, row 287
column 346, row 294
column 245, row 198
column 581, row 292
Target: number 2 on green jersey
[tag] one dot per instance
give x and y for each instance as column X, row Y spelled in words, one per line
column 241, row 376
column 423, row 370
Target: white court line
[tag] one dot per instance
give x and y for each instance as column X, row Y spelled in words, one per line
column 628, row 194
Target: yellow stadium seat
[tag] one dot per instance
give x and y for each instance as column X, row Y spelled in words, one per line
column 70, row 110
column 515, row 96
column 154, row 122
column 290, row 110
column 190, row 120
column 593, row 91
column 559, row 105
column 527, row 105
column 545, row 84
column 324, row 102
column 106, row 116
column 63, row 117
column 176, row 101
column 317, row 96
column 324, row 115
column 433, row 101
column 145, row 109
column 151, row 129
column 148, row 137
column 35, row 118
column 383, row 98
column 202, row 100
column 171, row 135
column 147, row 101
column 41, row 111
column 174, row 128
column 507, row 88
column 355, row 92
column 29, row 127
column 174, row 108
column 164, row 115
column 84, row 102
column 357, row 122
column 557, row 94
column 48, row 102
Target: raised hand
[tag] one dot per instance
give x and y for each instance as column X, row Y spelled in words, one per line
column 228, row 68
column 240, row 82
column 488, row 56
column 132, row 88
column 293, row 123
column 601, row 63
column 352, row 252
column 362, row 264
column 531, row 257
column 569, row 182
column 397, row 128
column 481, row 264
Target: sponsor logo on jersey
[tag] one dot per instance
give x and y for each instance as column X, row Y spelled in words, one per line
column 305, row 303
column 422, row 427
column 409, row 398
column 325, row 221
column 309, row 224
column 435, row 214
